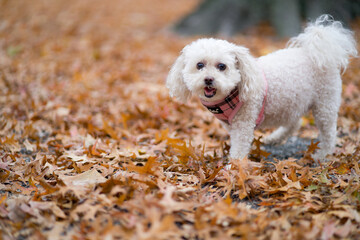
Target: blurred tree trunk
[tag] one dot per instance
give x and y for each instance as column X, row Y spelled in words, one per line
column 285, row 17
column 227, row 17
column 222, row 16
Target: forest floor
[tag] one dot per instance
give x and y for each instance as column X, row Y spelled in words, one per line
column 92, row 146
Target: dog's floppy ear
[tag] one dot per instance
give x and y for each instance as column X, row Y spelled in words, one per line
column 175, row 81
column 250, row 74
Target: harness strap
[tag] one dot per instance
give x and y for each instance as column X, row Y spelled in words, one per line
column 226, row 109
column 261, row 117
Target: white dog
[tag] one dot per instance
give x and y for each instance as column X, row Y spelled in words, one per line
column 271, row 91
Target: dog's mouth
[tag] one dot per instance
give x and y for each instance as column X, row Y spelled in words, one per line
column 209, row 92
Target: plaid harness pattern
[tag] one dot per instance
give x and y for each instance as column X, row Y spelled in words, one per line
column 226, row 109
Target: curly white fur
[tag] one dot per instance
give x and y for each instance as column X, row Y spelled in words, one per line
column 305, row 76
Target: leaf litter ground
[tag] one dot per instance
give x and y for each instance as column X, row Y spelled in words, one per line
column 91, row 145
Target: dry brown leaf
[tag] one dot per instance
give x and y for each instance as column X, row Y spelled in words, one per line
column 85, row 179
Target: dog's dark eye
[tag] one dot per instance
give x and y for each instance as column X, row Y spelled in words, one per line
column 221, row 66
column 200, row 65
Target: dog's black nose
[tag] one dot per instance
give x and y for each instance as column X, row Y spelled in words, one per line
column 209, row 80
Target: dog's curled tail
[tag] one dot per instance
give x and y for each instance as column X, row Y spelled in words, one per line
column 327, row 43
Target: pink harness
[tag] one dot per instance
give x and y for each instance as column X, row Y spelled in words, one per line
column 226, row 109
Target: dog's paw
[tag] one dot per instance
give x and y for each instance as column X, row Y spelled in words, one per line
column 271, row 140
column 320, row 156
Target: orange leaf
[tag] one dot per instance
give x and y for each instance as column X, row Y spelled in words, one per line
column 109, row 130
column 3, row 198
column 293, row 175
column 162, row 136
column 48, row 188
column 313, row 147
column 149, row 168
column 181, row 147
column 125, row 118
column 228, row 199
column 342, row 169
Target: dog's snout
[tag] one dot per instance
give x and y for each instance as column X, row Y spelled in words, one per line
column 209, row 80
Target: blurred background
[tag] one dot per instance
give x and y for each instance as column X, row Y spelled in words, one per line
column 229, row 17
column 91, row 61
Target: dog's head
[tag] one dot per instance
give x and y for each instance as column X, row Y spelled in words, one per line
column 210, row 69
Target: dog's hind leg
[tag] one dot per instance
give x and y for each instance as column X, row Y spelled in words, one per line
column 325, row 111
column 282, row 133
column 326, row 120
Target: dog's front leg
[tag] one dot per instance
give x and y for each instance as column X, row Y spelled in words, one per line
column 241, row 137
